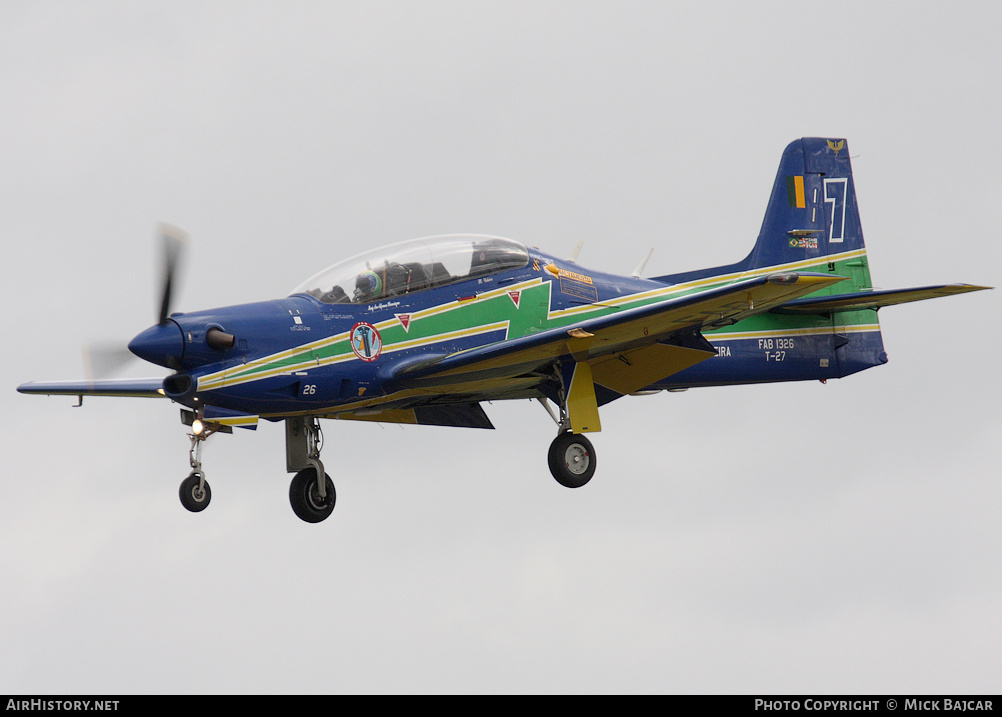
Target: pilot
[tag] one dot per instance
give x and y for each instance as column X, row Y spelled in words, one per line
column 335, row 296
column 368, row 287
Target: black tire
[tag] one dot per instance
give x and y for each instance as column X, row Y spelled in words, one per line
column 192, row 498
column 572, row 460
column 304, row 495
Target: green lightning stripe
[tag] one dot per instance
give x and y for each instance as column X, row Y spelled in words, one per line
column 488, row 312
column 336, row 350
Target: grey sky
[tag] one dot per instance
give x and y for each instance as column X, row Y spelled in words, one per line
column 789, row 538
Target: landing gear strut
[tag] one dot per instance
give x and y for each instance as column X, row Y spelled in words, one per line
column 571, row 456
column 195, row 493
column 312, row 499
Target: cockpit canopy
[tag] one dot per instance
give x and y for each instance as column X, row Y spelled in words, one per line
column 412, row 266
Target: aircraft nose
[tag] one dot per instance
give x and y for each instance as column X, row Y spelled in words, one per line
column 162, row 344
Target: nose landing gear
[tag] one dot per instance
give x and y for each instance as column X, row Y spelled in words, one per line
column 194, row 492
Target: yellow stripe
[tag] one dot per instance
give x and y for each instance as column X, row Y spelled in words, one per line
column 707, row 282
column 798, row 187
column 235, row 421
column 220, row 380
column 819, row 331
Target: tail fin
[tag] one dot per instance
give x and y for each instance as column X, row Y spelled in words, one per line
column 812, row 211
column 811, row 219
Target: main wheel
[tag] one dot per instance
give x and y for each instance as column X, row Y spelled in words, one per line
column 304, row 494
column 195, row 493
column 572, row 460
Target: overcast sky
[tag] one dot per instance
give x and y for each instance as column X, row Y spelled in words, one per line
column 789, row 538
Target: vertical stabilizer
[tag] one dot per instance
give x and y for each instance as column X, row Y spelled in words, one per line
column 812, row 211
column 811, row 215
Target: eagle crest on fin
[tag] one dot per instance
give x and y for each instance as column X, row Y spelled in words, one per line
column 836, row 146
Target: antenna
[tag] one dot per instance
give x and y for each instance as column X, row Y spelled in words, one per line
column 573, row 258
column 640, row 267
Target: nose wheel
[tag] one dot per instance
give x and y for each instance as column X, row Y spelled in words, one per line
column 195, row 493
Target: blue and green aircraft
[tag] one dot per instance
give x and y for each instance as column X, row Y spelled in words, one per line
column 425, row 331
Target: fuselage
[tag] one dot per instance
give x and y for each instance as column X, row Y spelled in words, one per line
column 335, row 347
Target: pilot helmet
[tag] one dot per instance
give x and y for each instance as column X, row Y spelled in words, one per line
column 367, row 284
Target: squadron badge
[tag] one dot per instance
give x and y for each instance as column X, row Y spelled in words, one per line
column 365, row 341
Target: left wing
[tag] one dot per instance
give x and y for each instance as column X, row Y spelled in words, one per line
column 137, row 387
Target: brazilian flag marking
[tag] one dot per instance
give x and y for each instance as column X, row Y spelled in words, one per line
column 795, row 192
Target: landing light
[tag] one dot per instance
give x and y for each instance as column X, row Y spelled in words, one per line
column 198, row 427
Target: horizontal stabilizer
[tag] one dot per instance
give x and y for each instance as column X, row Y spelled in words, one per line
column 871, row 299
column 136, row 387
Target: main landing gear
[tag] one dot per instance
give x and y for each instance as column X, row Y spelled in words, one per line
column 571, row 456
column 312, row 499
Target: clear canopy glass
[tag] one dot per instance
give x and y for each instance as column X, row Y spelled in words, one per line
column 412, row 266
